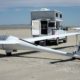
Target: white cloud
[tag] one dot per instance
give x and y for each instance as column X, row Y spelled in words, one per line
column 35, row 3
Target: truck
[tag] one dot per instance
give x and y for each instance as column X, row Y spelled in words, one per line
column 47, row 23
column 47, row 27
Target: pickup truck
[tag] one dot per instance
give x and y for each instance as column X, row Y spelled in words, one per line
column 57, row 40
column 53, row 40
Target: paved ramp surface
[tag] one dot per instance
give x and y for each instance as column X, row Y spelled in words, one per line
column 38, row 66
column 31, row 65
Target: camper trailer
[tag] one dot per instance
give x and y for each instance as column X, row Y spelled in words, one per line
column 47, row 23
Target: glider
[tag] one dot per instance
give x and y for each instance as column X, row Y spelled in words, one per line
column 12, row 43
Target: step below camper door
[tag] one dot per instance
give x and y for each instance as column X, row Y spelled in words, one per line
column 44, row 27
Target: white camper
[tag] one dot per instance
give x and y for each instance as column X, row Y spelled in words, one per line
column 47, row 23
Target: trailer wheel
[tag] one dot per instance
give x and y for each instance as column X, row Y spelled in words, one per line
column 65, row 40
column 57, row 41
column 42, row 43
column 37, row 42
column 8, row 53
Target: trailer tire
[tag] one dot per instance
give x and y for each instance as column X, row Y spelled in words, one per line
column 42, row 43
column 57, row 41
column 8, row 53
column 65, row 40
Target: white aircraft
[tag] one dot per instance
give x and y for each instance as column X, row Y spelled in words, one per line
column 76, row 28
column 11, row 43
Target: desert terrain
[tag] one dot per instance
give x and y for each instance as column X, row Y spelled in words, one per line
column 33, row 65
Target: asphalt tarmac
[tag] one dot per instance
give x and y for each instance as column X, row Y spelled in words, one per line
column 33, row 65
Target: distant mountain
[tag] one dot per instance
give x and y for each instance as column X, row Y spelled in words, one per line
column 15, row 26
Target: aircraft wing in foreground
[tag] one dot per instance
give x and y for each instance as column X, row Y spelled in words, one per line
column 76, row 28
column 32, row 40
column 11, row 43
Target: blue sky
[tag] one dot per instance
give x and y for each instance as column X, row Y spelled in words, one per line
column 18, row 11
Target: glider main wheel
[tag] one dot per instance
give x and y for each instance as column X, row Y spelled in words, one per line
column 8, row 53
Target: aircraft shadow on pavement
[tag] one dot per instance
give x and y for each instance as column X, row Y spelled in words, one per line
column 53, row 62
column 58, row 60
column 22, row 54
column 25, row 53
column 65, row 47
column 17, row 54
column 62, row 61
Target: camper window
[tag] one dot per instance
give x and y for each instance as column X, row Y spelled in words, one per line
column 51, row 24
column 56, row 14
column 60, row 15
